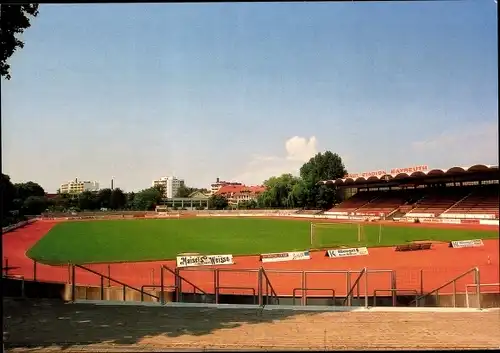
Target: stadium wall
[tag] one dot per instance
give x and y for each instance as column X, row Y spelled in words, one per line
column 17, row 225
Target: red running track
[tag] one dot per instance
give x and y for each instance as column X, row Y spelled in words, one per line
column 437, row 267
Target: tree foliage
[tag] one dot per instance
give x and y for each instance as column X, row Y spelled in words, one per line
column 8, row 191
column 104, row 198
column 326, row 166
column 34, row 205
column 88, row 201
column 288, row 191
column 20, row 200
column 14, row 19
column 217, row 202
column 118, row 199
column 278, row 192
column 185, row 191
column 147, row 199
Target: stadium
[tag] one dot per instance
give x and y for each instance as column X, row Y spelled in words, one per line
column 411, row 238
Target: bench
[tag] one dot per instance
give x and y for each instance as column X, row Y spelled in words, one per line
column 414, row 247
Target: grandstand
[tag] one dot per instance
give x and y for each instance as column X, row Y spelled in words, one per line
column 420, row 192
column 482, row 201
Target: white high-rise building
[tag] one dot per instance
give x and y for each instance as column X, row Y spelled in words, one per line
column 77, row 187
column 171, row 185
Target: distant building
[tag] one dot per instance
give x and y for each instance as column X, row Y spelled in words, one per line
column 77, row 187
column 198, row 195
column 240, row 193
column 220, row 183
column 171, row 185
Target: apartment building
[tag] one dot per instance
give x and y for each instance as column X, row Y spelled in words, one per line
column 78, row 186
column 170, row 184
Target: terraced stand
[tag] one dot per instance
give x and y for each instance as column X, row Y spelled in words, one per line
column 54, row 326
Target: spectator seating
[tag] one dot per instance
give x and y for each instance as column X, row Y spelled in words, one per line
column 438, row 201
column 445, row 202
column 353, row 203
column 388, row 202
column 483, row 202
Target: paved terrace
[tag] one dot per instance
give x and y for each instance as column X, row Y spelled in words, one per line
column 48, row 326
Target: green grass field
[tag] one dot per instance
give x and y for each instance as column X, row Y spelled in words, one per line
column 158, row 239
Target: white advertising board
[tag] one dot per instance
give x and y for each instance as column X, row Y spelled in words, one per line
column 204, row 260
column 285, row 256
column 347, row 252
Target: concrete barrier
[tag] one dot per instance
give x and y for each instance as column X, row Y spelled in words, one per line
column 16, row 287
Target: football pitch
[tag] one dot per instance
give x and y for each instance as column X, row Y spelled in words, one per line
column 161, row 239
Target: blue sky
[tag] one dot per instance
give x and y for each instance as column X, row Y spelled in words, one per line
column 245, row 91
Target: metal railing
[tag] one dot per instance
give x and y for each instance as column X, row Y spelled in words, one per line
column 475, row 285
column 270, row 292
column 453, row 282
column 263, row 290
column 17, row 277
column 394, row 293
column 348, row 298
column 178, row 282
column 238, row 288
column 102, row 277
column 153, row 286
column 217, row 281
column 312, row 289
column 6, row 268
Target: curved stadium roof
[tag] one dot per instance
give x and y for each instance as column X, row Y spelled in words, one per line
column 453, row 171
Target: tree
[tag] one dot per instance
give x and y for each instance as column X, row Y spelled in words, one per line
column 129, row 205
column 88, row 200
column 34, row 205
column 278, row 193
column 118, row 199
column 299, row 194
column 8, row 191
column 161, row 189
column 63, row 202
column 29, row 198
column 183, row 191
column 104, row 198
column 247, row 205
column 326, row 166
column 147, row 199
column 217, row 202
column 25, row 190
column 14, row 19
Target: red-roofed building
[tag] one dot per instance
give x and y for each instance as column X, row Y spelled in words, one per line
column 240, row 193
column 220, row 183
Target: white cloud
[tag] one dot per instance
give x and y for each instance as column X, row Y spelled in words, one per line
column 465, row 145
column 298, row 151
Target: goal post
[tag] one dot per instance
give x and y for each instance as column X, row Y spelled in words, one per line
column 332, row 234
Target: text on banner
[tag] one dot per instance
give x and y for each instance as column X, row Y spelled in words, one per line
column 466, row 243
column 204, row 260
column 347, row 252
column 285, row 256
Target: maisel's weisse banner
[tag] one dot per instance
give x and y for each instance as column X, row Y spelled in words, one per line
column 285, row 256
column 204, row 260
column 347, row 252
